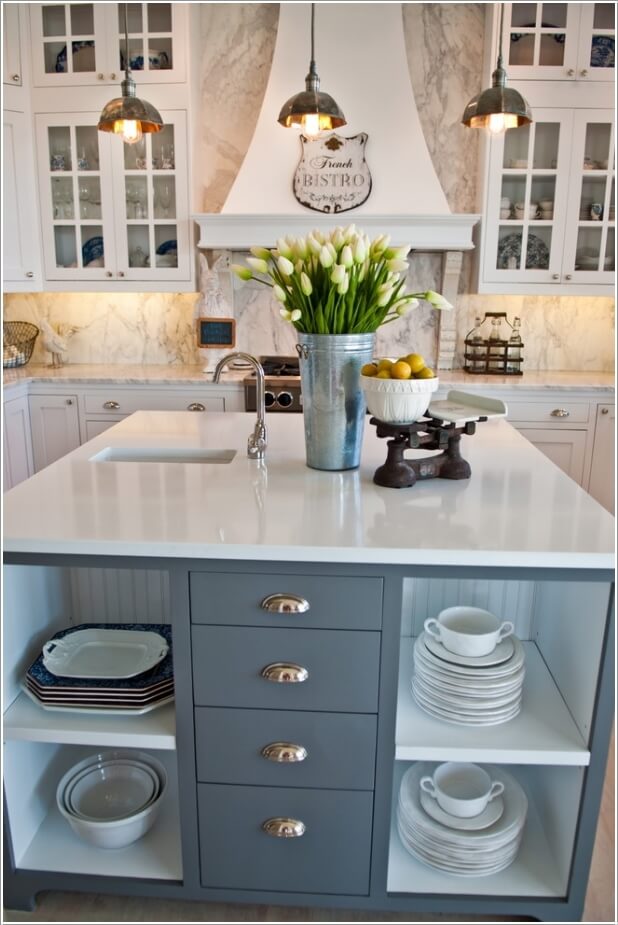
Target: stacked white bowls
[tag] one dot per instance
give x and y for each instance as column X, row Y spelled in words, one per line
column 112, row 799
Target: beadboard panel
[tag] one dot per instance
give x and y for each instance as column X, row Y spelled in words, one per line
column 104, row 595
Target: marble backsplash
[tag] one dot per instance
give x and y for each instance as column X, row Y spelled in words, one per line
column 559, row 332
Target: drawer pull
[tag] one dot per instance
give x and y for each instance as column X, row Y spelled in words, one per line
column 284, row 827
column 285, row 603
column 111, row 405
column 560, row 413
column 284, row 752
column 285, row 673
column 196, row 406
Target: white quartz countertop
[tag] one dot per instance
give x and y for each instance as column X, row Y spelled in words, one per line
column 91, row 374
column 517, row 509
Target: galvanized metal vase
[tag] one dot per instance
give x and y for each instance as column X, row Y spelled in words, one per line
column 333, row 401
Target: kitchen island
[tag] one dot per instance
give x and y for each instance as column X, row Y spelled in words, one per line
column 120, row 532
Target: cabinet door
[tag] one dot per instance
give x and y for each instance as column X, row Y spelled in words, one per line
column 590, row 240
column 540, row 40
column 602, row 474
column 597, row 39
column 55, row 427
column 11, row 58
column 527, row 200
column 157, row 40
column 20, row 245
column 151, row 200
column 76, row 197
column 69, row 44
column 565, row 448
column 17, row 460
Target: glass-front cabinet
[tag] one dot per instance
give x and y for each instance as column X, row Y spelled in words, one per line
column 75, row 44
column 550, row 209
column 111, row 211
column 559, row 41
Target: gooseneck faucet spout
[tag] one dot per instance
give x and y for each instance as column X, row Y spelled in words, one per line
column 256, row 444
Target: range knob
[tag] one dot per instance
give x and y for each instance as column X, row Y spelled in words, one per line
column 284, row 399
column 269, row 399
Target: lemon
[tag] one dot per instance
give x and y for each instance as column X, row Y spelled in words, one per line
column 401, row 370
column 425, row 373
column 383, row 374
column 416, row 362
column 369, row 369
column 384, row 364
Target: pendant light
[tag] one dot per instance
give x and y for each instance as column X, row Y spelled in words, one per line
column 311, row 109
column 127, row 115
column 500, row 107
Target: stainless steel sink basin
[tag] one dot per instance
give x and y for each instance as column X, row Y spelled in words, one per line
column 163, row 455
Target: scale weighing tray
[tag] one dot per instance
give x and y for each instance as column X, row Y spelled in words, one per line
column 459, row 407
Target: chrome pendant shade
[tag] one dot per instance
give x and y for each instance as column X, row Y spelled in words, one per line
column 500, row 107
column 128, row 115
column 312, row 109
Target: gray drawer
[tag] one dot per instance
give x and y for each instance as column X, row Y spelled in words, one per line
column 340, row 748
column 334, row 602
column 331, row 857
column 343, row 668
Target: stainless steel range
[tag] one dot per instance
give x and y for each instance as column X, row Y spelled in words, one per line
column 282, row 382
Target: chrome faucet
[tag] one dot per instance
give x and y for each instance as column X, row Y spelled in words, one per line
column 256, row 444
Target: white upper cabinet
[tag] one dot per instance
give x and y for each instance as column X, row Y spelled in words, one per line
column 559, row 41
column 113, row 213
column 11, row 50
column 21, row 263
column 77, row 44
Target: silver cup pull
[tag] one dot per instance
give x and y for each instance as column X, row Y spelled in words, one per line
column 285, row 603
column 196, row 406
column 111, row 405
column 285, row 673
column 284, row 827
column 560, row 413
column 284, row 752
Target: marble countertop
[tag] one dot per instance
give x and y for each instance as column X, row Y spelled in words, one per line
column 517, row 509
column 193, row 375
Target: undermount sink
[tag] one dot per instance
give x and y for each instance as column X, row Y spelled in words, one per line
column 163, row 455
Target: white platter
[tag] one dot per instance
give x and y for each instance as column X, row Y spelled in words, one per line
column 104, row 653
column 97, row 711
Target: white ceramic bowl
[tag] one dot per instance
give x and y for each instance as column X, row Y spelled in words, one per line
column 398, row 401
column 468, row 631
column 112, row 790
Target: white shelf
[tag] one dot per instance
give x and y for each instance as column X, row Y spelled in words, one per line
column 156, row 856
column 26, row 721
column 532, row 873
column 543, row 733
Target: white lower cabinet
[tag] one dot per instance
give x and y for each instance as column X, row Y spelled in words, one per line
column 54, row 420
column 565, row 448
column 602, row 483
column 17, row 445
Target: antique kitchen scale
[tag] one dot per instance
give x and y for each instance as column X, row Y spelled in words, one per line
column 439, row 429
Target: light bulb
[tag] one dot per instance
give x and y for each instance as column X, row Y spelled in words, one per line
column 130, row 130
column 311, row 123
column 499, row 122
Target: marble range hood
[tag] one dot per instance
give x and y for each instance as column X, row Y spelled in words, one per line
column 361, row 59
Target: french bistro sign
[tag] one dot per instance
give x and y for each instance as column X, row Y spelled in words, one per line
column 332, row 174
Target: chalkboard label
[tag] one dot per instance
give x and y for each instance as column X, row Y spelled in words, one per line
column 216, row 332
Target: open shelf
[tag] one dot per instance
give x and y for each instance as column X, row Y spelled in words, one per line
column 544, row 732
column 156, row 856
column 533, row 873
column 26, row 721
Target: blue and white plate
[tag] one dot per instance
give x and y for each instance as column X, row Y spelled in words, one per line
column 167, row 247
column 92, row 250
column 157, row 61
column 536, row 250
column 61, row 57
column 602, row 53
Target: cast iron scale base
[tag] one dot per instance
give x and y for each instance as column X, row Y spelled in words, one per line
column 430, row 434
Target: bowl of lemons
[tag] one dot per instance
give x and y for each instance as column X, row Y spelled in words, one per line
column 398, row 391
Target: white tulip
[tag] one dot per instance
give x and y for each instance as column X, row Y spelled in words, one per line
column 385, row 297
column 396, row 265
column 346, row 259
column 305, row 284
column 280, row 293
column 326, row 258
column 313, row 244
column 286, row 267
column 338, row 275
column 261, row 252
column 257, row 264
column 406, row 304
column 241, row 272
column 284, row 248
column 337, row 238
column 344, row 285
column 290, row 316
column 437, row 300
column 360, row 251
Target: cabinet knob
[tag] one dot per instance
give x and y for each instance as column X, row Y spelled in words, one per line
column 285, row 603
column 100, row 76
column 284, row 827
column 196, row 406
column 569, row 276
column 29, row 274
column 604, row 410
column 112, row 76
column 571, row 72
column 69, row 401
column 560, row 413
column 584, row 72
column 108, row 273
column 111, row 405
column 16, row 78
column 555, row 276
column 284, row 752
column 285, row 673
column 121, row 273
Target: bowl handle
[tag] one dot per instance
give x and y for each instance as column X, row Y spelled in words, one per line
column 505, row 630
column 433, row 628
column 427, row 784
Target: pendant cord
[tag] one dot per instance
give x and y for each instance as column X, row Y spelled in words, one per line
column 500, row 61
column 127, row 66
column 312, row 35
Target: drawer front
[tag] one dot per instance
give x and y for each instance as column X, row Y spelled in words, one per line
column 550, row 412
column 126, row 402
column 334, row 602
column 332, row 856
column 343, row 668
column 340, row 748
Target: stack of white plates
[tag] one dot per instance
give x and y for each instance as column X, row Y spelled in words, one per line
column 112, row 798
column 473, row 847
column 469, row 691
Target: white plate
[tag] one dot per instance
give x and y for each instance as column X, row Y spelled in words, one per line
column 490, row 814
column 502, row 653
column 502, row 672
column 97, row 711
column 103, row 653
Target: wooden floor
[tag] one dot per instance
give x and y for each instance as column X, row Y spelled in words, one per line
column 91, row 907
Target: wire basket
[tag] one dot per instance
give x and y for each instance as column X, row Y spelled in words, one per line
column 18, row 339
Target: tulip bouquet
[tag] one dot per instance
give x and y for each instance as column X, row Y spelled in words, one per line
column 337, row 283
